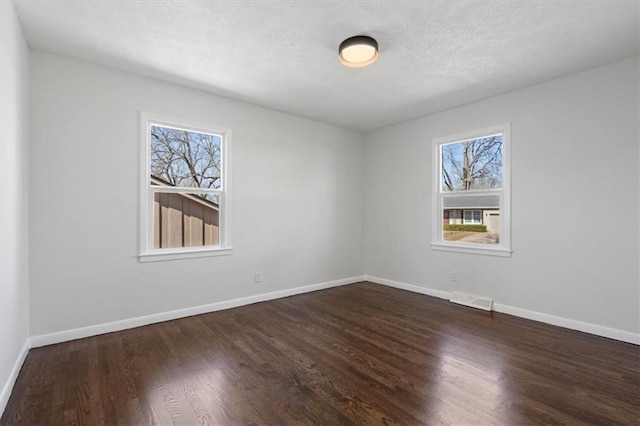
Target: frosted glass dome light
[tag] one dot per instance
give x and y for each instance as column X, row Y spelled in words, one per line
column 358, row 51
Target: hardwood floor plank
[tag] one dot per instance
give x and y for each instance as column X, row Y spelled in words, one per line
column 357, row 354
column 344, row 361
column 252, row 379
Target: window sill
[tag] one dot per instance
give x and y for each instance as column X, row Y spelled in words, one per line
column 178, row 254
column 472, row 249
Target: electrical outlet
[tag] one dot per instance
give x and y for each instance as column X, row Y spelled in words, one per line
column 256, row 277
column 454, row 276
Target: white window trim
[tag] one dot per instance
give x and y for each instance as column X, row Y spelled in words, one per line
column 504, row 248
column 146, row 252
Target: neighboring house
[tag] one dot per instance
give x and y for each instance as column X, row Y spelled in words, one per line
column 473, row 210
column 183, row 220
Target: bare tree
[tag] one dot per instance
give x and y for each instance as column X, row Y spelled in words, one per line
column 474, row 164
column 186, row 159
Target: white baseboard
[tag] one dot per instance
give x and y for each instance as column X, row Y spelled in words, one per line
column 13, row 376
column 79, row 333
column 586, row 327
column 598, row 330
column 409, row 287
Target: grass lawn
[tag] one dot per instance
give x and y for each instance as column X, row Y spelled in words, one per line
column 472, row 237
column 456, row 235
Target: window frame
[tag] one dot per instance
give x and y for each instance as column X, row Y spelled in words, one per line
column 502, row 249
column 146, row 252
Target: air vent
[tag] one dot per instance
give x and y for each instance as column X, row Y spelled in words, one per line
column 483, row 303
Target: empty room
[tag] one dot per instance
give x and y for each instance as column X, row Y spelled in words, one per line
column 319, row 212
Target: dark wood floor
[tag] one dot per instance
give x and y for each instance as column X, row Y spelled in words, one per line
column 359, row 354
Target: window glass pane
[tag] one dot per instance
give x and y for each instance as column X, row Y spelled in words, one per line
column 471, row 218
column 184, row 158
column 185, row 220
column 472, row 165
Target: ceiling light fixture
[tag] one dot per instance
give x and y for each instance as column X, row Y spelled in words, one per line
column 358, row 51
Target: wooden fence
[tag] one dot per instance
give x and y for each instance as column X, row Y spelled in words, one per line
column 184, row 220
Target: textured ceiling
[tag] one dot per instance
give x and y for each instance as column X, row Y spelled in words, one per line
column 434, row 55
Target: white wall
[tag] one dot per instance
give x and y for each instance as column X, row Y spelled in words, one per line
column 574, row 200
column 297, row 199
column 14, row 157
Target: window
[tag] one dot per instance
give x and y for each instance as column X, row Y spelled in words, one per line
column 184, row 199
column 472, row 217
column 471, row 197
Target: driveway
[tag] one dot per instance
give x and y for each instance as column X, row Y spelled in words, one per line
column 472, row 237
